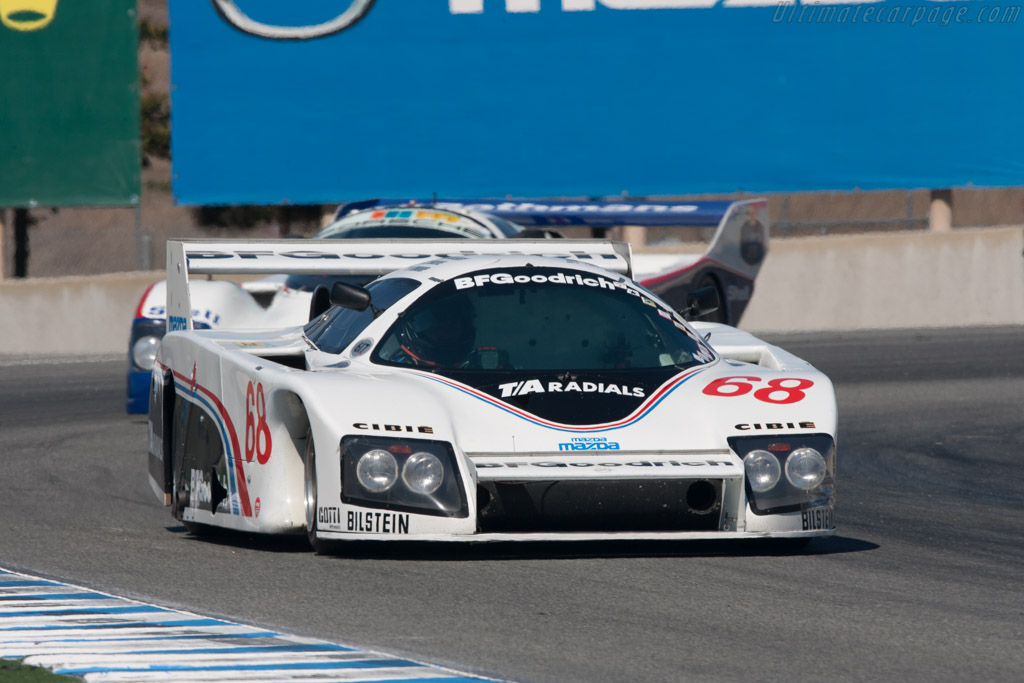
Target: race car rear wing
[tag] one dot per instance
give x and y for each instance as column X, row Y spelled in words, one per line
column 352, row 257
column 740, row 240
column 598, row 214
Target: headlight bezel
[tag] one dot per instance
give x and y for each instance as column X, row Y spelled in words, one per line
column 449, row 499
column 784, row 496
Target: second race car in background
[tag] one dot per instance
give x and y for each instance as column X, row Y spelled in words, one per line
column 730, row 263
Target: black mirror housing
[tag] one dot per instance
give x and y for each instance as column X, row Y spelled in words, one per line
column 350, row 296
column 701, row 302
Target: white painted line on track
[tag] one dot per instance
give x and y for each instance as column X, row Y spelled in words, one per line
column 101, row 637
column 10, row 361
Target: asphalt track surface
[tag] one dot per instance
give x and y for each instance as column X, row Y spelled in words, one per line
column 924, row 582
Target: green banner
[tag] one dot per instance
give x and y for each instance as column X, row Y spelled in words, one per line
column 69, row 103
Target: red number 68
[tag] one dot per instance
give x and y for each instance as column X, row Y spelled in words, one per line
column 776, row 390
column 257, row 431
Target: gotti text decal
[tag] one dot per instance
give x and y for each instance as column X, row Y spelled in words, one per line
column 535, row 386
column 328, row 515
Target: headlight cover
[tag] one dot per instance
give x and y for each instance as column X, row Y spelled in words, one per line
column 377, row 470
column 805, row 469
column 762, row 469
column 423, row 473
column 144, row 352
column 808, row 461
column 144, row 343
column 424, row 478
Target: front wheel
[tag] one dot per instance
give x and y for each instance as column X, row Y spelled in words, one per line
column 310, row 496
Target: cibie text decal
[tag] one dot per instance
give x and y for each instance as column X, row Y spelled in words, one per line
column 589, row 443
column 535, row 386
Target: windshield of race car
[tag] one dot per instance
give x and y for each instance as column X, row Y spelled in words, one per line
column 531, row 319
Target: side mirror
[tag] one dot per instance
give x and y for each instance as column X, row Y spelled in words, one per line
column 350, row 296
column 320, row 302
column 701, row 302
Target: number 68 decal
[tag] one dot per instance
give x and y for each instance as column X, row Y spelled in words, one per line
column 779, row 390
column 257, row 431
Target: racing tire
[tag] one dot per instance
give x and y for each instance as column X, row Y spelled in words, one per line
column 310, row 495
column 718, row 316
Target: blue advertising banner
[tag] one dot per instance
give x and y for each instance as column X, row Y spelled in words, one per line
column 329, row 100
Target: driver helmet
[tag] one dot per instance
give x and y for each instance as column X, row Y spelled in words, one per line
column 441, row 333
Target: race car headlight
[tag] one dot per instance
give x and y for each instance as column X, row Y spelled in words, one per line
column 144, row 351
column 377, row 470
column 423, row 473
column 763, row 470
column 144, row 343
column 805, row 468
column 808, row 461
column 405, row 475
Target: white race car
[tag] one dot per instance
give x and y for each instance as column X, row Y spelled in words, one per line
column 529, row 390
column 730, row 264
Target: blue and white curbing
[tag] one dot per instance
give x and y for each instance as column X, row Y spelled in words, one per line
column 100, row 637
